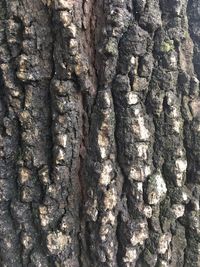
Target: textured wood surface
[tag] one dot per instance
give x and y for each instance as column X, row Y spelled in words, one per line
column 99, row 133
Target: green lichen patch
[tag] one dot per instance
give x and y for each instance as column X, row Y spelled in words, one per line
column 112, row 47
column 167, row 46
column 186, row 35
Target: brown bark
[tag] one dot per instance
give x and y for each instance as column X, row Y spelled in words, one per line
column 99, row 130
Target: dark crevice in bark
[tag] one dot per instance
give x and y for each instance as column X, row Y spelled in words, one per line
column 50, row 102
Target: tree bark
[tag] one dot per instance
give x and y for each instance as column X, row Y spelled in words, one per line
column 100, row 133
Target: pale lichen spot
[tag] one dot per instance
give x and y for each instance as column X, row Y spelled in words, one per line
column 139, row 84
column 177, row 125
column 91, row 209
column 184, row 196
column 195, row 107
column 103, row 152
column 57, row 242
column 64, row 4
column 66, row 18
column 180, row 152
column 173, row 61
column 132, row 98
column 36, row 132
column 8, row 243
column 156, row 188
column 109, row 218
column 164, row 242
column 181, row 165
column 140, row 186
column 136, row 112
column 103, row 237
column 130, row 255
column 170, row 99
column 136, row 173
column 28, row 100
column 140, row 235
column 73, row 30
column 44, row 174
column 180, row 170
column 64, row 226
column 139, row 173
column 27, row 240
column 142, row 150
column 147, row 210
column 163, row 264
column 198, row 128
column 140, row 129
column 103, row 140
column 24, row 175
column 61, row 140
column 43, row 214
column 133, row 60
column 175, row 113
column 178, row 210
column 147, row 170
column 107, row 99
column 103, row 231
column 60, row 157
column 103, row 143
column 47, row 2
column 134, row 63
column 196, row 205
column 73, row 44
column 21, row 73
column 15, row 93
column 110, row 251
column 52, row 190
column 105, row 177
column 110, row 199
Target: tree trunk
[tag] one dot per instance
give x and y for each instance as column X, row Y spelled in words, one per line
column 100, row 133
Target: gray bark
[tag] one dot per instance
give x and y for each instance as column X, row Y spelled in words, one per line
column 99, row 133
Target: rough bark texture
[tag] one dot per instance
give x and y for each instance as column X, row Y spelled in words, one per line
column 99, row 133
